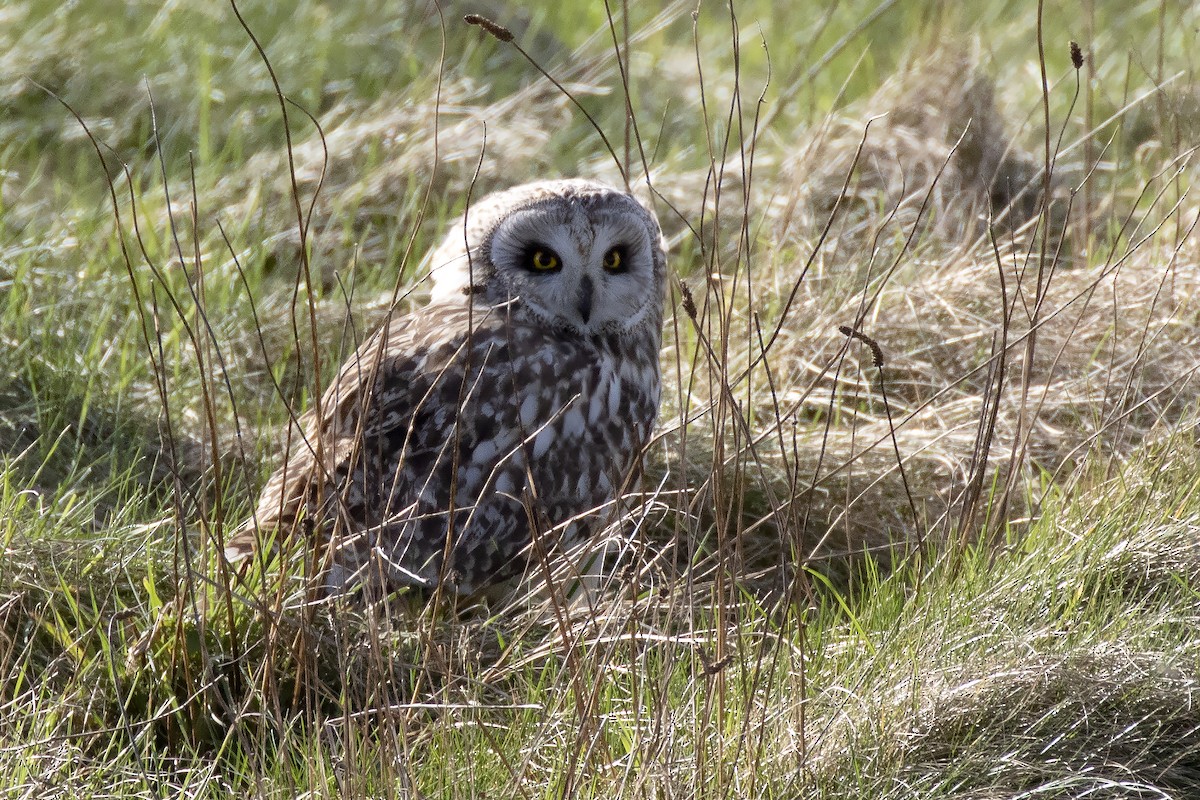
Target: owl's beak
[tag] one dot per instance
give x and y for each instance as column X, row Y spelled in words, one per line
column 583, row 304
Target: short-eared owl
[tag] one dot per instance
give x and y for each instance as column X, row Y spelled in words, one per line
column 502, row 417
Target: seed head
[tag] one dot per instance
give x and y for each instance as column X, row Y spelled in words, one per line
column 689, row 304
column 876, row 350
column 1076, row 55
column 499, row 31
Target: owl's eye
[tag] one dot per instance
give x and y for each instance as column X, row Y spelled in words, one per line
column 543, row 259
column 614, row 260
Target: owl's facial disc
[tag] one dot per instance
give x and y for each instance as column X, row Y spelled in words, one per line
column 581, row 266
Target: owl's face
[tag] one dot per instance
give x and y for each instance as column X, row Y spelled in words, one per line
column 586, row 263
column 579, row 255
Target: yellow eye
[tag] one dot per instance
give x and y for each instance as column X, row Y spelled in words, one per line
column 613, row 260
column 544, row 260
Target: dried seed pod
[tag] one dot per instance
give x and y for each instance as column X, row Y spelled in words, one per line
column 876, row 350
column 499, row 31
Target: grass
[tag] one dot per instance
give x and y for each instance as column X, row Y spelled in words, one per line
column 970, row 572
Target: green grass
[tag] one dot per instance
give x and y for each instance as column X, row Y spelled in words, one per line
column 798, row 617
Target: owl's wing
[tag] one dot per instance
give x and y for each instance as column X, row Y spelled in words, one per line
column 379, row 389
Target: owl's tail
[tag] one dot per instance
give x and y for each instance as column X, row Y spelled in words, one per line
column 244, row 542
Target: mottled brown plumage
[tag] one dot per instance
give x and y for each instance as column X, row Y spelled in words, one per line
column 494, row 421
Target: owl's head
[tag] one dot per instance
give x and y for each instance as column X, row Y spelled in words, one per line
column 577, row 254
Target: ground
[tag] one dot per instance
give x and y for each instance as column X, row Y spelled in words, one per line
column 923, row 514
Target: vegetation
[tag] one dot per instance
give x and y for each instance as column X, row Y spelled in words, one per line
column 924, row 515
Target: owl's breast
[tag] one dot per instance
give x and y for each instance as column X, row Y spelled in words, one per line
column 587, row 413
column 522, row 414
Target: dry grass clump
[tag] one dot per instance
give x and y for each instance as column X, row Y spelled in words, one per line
column 934, row 141
column 1103, row 721
column 1048, row 692
column 1114, row 361
column 1002, row 347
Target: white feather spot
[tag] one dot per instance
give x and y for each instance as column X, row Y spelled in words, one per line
column 504, row 484
column 542, row 442
column 572, row 423
column 596, row 405
column 485, row 452
column 614, row 396
column 468, row 480
column 529, row 409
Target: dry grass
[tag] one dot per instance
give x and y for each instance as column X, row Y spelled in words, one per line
column 967, row 571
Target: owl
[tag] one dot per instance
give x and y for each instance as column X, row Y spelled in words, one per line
column 464, row 441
